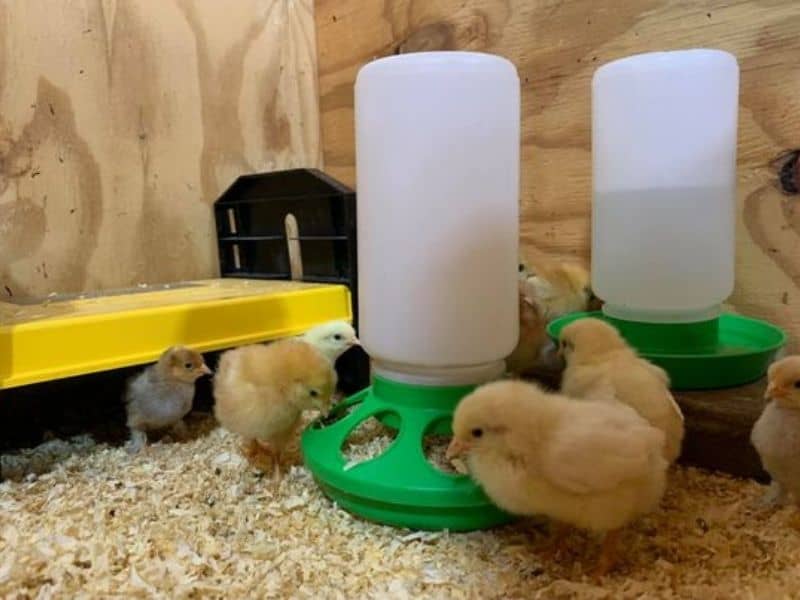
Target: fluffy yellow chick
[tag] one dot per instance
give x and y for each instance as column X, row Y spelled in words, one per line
column 523, row 270
column 162, row 394
column 333, row 338
column 776, row 433
column 601, row 366
column 261, row 391
column 558, row 289
column 592, row 465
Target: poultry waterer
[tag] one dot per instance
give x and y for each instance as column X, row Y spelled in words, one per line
column 437, row 156
column 663, row 216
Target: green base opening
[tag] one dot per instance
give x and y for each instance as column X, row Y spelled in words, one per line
column 725, row 352
column 398, row 487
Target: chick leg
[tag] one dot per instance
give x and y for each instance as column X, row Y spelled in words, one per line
column 180, row 431
column 608, row 554
column 558, row 540
column 276, row 471
column 257, row 454
column 137, row 442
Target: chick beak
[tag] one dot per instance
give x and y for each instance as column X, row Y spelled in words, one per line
column 205, row 370
column 456, row 448
column 774, row 391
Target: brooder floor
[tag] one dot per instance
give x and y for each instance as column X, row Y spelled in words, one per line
column 189, row 520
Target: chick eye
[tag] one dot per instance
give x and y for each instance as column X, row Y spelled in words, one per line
column 477, row 432
column 521, row 268
column 313, row 393
column 188, row 366
column 338, row 337
column 797, row 384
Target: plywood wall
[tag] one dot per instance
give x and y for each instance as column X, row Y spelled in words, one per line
column 122, row 120
column 556, row 45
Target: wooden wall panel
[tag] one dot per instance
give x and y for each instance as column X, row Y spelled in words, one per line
column 556, row 45
column 122, row 120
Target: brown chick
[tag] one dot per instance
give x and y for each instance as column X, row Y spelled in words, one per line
column 776, row 433
column 262, row 390
column 527, row 355
column 601, row 366
column 592, row 465
column 546, row 293
column 162, row 394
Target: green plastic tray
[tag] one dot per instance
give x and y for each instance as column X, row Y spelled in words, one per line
column 740, row 351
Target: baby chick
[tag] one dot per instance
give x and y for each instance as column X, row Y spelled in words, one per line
column 527, row 355
column 776, row 433
column 545, row 293
column 601, row 366
column 332, row 338
column 592, row 465
column 523, row 270
column 262, row 390
column 560, row 288
column 162, row 394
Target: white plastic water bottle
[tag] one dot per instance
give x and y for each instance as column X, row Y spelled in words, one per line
column 664, row 171
column 437, row 161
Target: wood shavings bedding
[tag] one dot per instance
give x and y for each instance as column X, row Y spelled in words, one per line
column 192, row 520
column 370, row 439
column 435, row 448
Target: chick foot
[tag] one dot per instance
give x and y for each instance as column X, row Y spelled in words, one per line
column 277, row 455
column 137, row 442
column 180, row 431
column 608, row 554
column 775, row 497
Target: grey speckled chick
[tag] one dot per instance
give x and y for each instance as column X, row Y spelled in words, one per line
column 776, row 434
column 162, row 394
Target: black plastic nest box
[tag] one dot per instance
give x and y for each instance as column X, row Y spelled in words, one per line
column 256, row 232
column 294, row 224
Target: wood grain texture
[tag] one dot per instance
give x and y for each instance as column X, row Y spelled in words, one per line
column 122, row 121
column 556, row 46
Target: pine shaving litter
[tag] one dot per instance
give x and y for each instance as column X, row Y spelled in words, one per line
column 370, row 439
column 193, row 520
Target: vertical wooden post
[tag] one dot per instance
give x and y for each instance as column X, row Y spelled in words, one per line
column 293, row 243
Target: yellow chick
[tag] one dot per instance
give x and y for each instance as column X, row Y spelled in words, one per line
column 776, row 433
column 601, row 366
column 592, row 465
column 162, row 394
column 523, row 270
column 559, row 289
column 261, row 391
column 333, row 338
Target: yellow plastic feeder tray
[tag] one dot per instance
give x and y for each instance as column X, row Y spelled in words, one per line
column 68, row 335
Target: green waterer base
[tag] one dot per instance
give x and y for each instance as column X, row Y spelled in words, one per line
column 398, row 487
column 725, row 352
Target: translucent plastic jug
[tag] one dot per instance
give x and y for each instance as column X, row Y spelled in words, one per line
column 664, row 178
column 437, row 139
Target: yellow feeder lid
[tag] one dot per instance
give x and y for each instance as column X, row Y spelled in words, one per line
column 68, row 335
